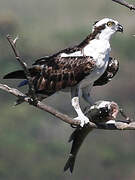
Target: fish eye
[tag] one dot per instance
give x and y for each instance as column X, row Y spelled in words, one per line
column 110, row 23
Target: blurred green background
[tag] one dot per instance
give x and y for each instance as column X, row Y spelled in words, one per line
column 33, row 144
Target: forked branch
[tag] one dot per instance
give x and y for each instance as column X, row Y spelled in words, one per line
column 24, row 67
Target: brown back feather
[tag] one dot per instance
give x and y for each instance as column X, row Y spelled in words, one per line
column 64, row 72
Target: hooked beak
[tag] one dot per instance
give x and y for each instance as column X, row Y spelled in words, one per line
column 120, row 28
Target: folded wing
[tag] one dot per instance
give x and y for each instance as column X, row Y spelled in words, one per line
column 53, row 74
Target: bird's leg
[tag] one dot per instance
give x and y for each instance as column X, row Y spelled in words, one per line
column 86, row 96
column 75, row 93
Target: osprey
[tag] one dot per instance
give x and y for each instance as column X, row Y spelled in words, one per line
column 76, row 69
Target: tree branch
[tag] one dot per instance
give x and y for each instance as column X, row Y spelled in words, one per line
column 126, row 4
column 116, row 125
column 24, row 67
column 39, row 105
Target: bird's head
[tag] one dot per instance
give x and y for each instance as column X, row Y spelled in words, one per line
column 105, row 28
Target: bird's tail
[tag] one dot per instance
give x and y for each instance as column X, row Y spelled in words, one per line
column 15, row 75
column 19, row 74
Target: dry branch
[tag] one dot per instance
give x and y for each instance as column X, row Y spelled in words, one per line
column 39, row 105
column 24, row 67
column 117, row 125
column 126, row 4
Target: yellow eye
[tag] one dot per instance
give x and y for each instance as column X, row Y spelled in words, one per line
column 110, row 23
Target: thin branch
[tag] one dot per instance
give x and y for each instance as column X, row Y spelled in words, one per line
column 15, row 40
column 116, row 125
column 126, row 4
column 24, row 67
column 39, row 105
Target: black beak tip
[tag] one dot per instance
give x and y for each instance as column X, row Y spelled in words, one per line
column 120, row 28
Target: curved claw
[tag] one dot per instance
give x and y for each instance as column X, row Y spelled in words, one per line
column 84, row 120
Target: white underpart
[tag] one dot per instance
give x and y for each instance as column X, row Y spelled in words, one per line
column 99, row 49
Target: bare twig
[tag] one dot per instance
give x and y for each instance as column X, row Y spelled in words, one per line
column 126, row 4
column 15, row 40
column 24, row 66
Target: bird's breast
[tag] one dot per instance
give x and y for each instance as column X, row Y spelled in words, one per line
column 96, row 73
column 97, row 48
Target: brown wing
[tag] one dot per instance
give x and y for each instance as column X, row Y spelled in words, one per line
column 61, row 72
column 111, row 71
